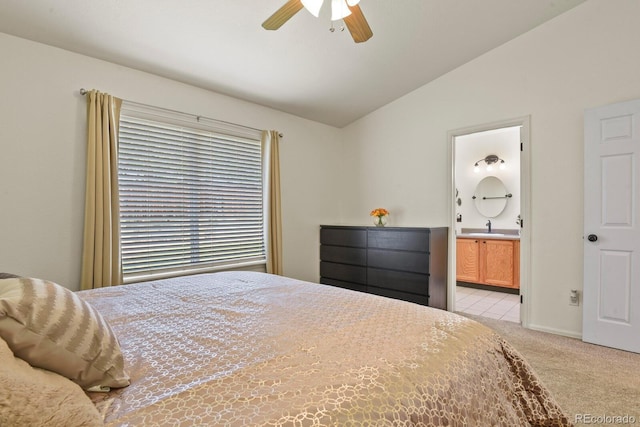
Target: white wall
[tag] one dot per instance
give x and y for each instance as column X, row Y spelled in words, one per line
column 42, row 153
column 584, row 58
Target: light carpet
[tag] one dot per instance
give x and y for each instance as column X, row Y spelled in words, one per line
column 590, row 382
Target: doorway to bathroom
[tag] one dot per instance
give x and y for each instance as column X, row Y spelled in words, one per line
column 490, row 208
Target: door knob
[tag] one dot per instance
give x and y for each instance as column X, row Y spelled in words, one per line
column 592, row 237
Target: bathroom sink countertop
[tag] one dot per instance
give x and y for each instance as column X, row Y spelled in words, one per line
column 488, row 236
column 471, row 233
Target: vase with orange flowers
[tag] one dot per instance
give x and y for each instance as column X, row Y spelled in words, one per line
column 379, row 217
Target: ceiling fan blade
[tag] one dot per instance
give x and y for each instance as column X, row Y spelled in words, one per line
column 358, row 25
column 282, row 15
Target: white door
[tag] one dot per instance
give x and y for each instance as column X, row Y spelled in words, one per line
column 611, row 312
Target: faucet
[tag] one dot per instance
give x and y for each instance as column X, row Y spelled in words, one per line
column 488, row 224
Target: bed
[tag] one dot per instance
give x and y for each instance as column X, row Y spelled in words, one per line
column 253, row 349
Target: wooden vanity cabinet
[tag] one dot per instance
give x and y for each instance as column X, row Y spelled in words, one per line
column 468, row 260
column 492, row 262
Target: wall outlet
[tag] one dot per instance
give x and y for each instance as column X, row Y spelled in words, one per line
column 574, row 298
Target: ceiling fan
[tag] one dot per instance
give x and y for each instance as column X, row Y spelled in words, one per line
column 347, row 10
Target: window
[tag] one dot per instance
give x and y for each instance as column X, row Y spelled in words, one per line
column 191, row 194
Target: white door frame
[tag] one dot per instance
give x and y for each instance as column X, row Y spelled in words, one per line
column 525, row 209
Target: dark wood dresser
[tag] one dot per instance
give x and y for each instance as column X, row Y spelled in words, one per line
column 398, row 262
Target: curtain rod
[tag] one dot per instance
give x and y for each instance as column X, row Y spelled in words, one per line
column 83, row 92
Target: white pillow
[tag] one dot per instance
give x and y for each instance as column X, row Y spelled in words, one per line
column 50, row 327
column 37, row 398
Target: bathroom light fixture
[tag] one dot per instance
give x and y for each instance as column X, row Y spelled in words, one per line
column 490, row 161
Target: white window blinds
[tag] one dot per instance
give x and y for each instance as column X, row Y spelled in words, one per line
column 191, row 198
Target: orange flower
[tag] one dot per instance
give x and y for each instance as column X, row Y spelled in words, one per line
column 379, row 212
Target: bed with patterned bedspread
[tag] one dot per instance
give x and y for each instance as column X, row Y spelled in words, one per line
column 252, row 349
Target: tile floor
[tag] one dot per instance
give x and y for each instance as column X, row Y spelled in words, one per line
column 496, row 305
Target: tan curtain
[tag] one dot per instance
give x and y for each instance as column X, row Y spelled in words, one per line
column 270, row 148
column 101, row 257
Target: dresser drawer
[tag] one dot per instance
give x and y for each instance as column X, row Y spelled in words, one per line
column 343, row 237
column 399, row 281
column 404, row 240
column 343, row 284
column 343, row 254
column 419, row 299
column 414, row 262
column 344, row 272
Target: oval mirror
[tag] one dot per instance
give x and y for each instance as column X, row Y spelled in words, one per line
column 491, row 197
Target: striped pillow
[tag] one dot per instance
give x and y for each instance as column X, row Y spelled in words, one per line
column 50, row 327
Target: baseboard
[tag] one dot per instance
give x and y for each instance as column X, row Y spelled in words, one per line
column 555, row 331
column 504, row 290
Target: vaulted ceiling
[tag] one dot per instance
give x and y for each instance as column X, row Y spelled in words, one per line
column 303, row 68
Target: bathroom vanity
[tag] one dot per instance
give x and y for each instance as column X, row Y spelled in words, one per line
column 488, row 259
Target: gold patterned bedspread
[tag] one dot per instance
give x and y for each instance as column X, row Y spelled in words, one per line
column 251, row 349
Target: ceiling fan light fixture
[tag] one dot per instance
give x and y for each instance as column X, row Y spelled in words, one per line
column 339, row 10
column 313, row 6
column 346, row 10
